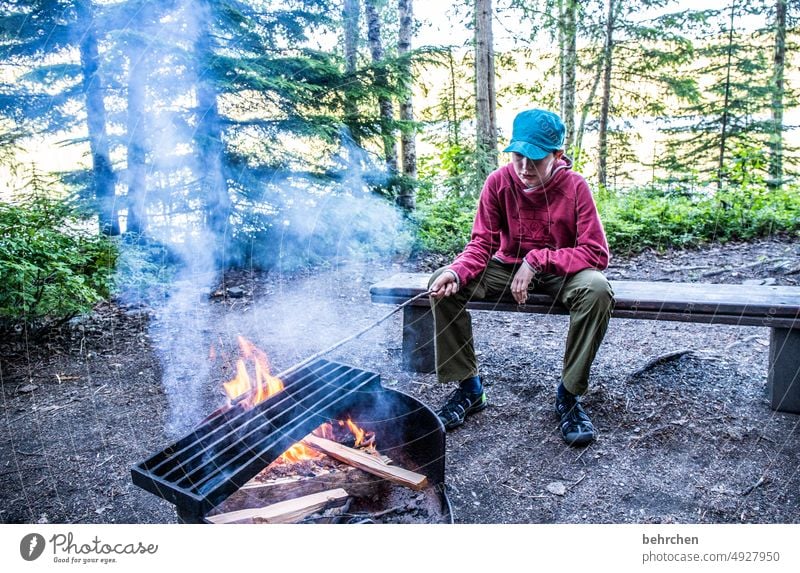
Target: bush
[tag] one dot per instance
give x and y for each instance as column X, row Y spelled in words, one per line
column 641, row 218
column 444, row 226
column 144, row 271
column 52, row 267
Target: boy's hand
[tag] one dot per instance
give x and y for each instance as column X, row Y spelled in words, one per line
column 519, row 286
column 445, row 284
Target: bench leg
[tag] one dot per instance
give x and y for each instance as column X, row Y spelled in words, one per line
column 418, row 350
column 783, row 379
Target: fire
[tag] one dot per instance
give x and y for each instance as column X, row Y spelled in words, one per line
column 262, row 386
column 363, row 438
column 300, row 452
column 257, row 388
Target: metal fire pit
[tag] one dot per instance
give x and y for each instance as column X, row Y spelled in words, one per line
column 201, row 470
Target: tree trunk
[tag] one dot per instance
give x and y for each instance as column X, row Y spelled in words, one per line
column 605, row 104
column 562, row 79
column 776, row 137
column 208, row 138
column 351, row 13
column 102, row 172
column 382, row 84
column 137, row 169
column 585, row 112
column 568, row 67
column 452, row 104
column 724, row 133
column 408, row 144
column 485, row 97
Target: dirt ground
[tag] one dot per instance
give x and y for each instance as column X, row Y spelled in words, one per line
column 690, row 440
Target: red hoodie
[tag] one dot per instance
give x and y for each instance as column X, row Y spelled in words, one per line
column 554, row 228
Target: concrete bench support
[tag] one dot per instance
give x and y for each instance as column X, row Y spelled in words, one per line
column 418, row 349
column 783, row 380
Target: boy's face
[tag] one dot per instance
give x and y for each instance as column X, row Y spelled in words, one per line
column 534, row 173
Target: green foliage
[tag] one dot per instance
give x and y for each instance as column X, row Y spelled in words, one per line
column 736, row 69
column 144, row 269
column 651, row 217
column 51, row 267
column 443, row 224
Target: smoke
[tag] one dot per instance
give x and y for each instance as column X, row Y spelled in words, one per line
column 330, row 229
column 180, row 331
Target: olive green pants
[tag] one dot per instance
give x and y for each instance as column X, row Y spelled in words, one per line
column 587, row 295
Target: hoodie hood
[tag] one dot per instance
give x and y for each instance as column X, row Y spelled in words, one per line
column 560, row 169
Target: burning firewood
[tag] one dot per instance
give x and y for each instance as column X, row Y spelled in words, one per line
column 368, row 463
column 289, row 511
column 346, row 477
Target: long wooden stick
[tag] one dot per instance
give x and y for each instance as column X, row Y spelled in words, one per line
column 368, row 463
column 288, row 511
column 367, row 328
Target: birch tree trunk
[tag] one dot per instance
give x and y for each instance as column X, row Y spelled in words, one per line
column 485, row 97
column 725, row 106
column 568, row 66
column 776, row 137
column 136, row 157
column 408, row 144
column 605, row 104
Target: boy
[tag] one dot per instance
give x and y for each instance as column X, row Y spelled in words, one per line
column 536, row 228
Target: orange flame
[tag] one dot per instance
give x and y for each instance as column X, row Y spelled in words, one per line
column 299, row 452
column 363, row 438
column 264, row 385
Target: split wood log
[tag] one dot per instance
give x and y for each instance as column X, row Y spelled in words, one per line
column 289, row 511
column 368, row 463
column 347, row 477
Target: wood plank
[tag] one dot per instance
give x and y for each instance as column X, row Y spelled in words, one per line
column 703, row 298
column 288, row 511
column 368, row 463
column 621, row 312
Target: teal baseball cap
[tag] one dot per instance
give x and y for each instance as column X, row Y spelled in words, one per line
column 536, row 132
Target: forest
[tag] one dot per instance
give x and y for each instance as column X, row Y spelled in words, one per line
column 233, row 120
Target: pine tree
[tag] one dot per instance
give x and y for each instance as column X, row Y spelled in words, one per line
column 726, row 120
column 41, row 37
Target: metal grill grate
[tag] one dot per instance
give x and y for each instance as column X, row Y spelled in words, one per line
column 202, row 469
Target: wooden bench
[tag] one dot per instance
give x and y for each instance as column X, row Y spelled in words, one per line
column 774, row 307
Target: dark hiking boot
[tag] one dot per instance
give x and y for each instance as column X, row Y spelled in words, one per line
column 576, row 427
column 459, row 405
